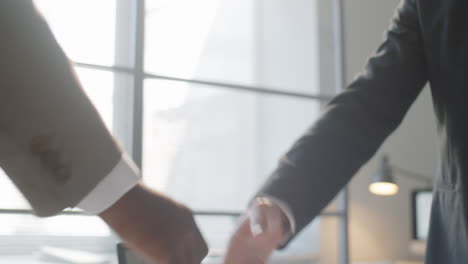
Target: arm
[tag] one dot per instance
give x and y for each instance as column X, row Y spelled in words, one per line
column 354, row 124
column 53, row 144
column 57, row 150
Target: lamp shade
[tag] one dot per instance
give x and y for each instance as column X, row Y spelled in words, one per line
column 383, row 182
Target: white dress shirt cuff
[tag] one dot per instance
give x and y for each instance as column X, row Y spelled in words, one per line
column 288, row 212
column 123, row 177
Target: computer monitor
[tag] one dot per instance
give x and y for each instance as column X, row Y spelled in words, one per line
column 421, row 207
column 126, row 256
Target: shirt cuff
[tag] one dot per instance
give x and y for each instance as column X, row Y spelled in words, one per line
column 123, row 177
column 289, row 215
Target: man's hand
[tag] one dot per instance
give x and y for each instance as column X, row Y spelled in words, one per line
column 259, row 234
column 156, row 227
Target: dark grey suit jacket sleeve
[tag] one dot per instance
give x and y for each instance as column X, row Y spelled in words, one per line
column 355, row 123
column 53, row 144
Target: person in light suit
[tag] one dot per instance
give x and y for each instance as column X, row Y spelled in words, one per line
column 57, row 151
column 427, row 42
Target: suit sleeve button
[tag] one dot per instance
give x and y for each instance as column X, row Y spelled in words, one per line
column 39, row 144
column 62, row 174
column 51, row 159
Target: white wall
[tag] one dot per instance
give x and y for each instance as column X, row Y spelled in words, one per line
column 380, row 228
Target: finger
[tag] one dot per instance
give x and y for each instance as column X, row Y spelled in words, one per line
column 196, row 249
column 201, row 250
column 188, row 252
column 196, row 244
column 260, row 260
column 202, row 245
column 181, row 256
column 180, row 259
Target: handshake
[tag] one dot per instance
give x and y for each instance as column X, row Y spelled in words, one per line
column 164, row 232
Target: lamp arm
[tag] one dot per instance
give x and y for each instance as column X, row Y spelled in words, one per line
column 413, row 175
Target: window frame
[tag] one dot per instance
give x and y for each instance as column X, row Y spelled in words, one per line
column 130, row 40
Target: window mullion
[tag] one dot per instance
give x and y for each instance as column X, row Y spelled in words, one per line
column 138, row 22
column 123, row 94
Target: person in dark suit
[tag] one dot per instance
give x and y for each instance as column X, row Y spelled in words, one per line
column 427, row 42
column 58, row 152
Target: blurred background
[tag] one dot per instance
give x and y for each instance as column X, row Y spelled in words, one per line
column 206, row 96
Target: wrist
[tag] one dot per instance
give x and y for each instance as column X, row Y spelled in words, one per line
column 271, row 209
column 268, row 220
column 115, row 216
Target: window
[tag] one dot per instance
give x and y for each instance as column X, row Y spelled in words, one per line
column 209, row 144
column 222, row 91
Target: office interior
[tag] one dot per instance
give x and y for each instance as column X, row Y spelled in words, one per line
column 206, row 95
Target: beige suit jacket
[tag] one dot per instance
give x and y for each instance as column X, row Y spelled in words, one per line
column 53, row 144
